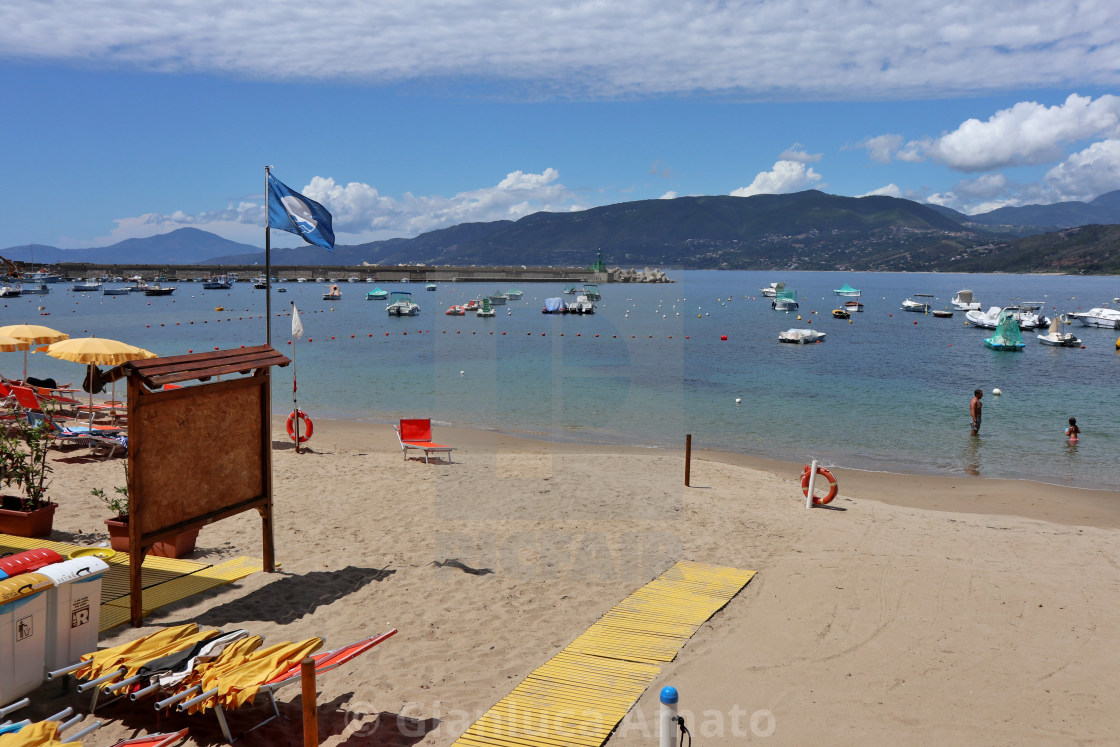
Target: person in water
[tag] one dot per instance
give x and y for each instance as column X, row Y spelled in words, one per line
column 1073, row 431
column 974, row 410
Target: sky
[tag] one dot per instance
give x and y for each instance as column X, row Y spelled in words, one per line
column 129, row 118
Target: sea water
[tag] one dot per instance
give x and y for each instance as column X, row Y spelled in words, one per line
column 887, row 391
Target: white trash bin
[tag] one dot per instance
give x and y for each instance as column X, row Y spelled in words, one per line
column 73, row 609
column 23, row 634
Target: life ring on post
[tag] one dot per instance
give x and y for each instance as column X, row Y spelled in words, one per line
column 308, row 427
column 833, row 489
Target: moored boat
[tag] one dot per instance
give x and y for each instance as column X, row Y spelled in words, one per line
column 841, row 314
column 853, row 306
column 513, row 294
column 455, row 311
column 377, row 294
column 784, row 300
column 582, row 305
column 591, row 290
column 554, row 306
column 332, row 294
column 159, row 290
column 800, row 336
column 772, row 290
column 1055, row 338
column 847, row 291
column 115, row 291
column 920, row 306
column 1098, row 317
column 942, row 313
column 87, row 286
column 401, row 304
column 964, row 301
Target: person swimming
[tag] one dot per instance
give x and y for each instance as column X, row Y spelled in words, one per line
column 1073, row 431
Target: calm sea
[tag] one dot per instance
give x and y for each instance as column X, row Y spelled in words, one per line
column 888, row 391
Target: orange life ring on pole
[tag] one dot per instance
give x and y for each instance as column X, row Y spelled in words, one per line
column 308, row 426
column 832, row 487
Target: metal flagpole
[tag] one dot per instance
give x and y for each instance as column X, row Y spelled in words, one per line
column 268, row 264
column 295, row 405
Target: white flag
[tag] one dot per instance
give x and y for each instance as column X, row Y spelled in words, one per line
column 297, row 325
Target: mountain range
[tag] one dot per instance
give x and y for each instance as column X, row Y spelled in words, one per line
column 802, row 230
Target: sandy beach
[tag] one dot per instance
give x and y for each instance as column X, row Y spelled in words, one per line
column 945, row 610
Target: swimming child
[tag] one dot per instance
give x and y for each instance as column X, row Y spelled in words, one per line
column 1073, row 431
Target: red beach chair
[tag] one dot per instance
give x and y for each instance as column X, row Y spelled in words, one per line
column 416, row 433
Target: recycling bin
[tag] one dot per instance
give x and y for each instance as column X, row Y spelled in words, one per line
column 26, row 561
column 73, row 609
column 23, row 634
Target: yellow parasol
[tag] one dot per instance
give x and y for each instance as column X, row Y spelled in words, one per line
column 97, row 351
column 33, row 334
column 10, row 344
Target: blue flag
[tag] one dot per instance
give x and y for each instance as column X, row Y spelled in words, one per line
column 290, row 211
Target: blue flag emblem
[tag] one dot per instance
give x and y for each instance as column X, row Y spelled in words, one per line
column 290, row 211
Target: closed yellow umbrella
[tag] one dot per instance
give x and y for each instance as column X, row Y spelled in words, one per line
column 33, row 334
column 95, row 351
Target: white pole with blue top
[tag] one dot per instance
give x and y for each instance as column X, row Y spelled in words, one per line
column 668, row 716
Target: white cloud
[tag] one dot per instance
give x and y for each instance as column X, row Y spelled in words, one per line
column 786, row 176
column 1027, row 133
column 882, row 148
column 982, row 187
column 1088, row 173
column 599, row 49
column 891, row 190
column 670, row 195
column 360, row 213
column 798, row 153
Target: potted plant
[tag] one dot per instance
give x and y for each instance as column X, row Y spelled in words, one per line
column 24, row 466
column 178, row 546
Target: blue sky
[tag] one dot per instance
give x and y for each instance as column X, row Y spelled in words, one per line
column 128, row 119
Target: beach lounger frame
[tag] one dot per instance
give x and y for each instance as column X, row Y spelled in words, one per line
column 416, row 433
column 324, row 662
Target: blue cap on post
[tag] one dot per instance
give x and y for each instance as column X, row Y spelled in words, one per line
column 668, row 695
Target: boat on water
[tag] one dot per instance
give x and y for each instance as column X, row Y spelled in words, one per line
column 983, row 319
column 1098, row 317
column 217, row 282
column 377, row 294
column 582, row 305
column 801, row 336
column 920, row 306
column 86, row 286
column 570, row 290
column 1007, row 335
column 45, row 276
column 513, row 294
column 785, row 300
column 456, row 310
column 964, row 301
column 472, row 305
column 138, row 284
column 943, row 313
column 37, row 289
column 1025, row 316
column 430, row 287
column 498, row 299
column 353, row 279
column 772, row 290
column 332, row 294
column 401, row 304
column 115, row 291
column 853, row 306
column 485, row 309
column 847, row 291
column 554, row 306
column 10, row 291
column 281, row 289
column 591, row 290
column 159, row 290
column 261, row 283
column 841, row 314
column 1055, row 338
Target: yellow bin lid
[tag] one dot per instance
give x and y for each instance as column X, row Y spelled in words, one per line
column 24, row 585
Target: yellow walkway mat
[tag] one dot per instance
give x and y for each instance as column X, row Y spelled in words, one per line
column 583, row 692
column 164, row 580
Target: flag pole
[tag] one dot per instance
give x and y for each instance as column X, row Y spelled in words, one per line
column 295, row 405
column 268, row 264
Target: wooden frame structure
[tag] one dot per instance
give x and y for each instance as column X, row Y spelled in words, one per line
column 197, row 454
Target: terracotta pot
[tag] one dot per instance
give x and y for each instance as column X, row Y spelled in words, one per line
column 179, row 546
column 14, row 520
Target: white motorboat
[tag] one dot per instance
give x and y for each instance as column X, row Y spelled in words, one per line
column 773, row 290
column 1098, row 317
column 800, row 336
column 582, row 305
column 983, row 319
column 10, row 291
column 401, row 304
column 920, row 306
column 1028, row 315
column 785, row 300
column 591, row 290
column 964, row 301
column 91, row 286
column 1058, row 339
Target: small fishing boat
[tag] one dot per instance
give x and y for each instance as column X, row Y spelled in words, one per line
column 498, row 299
column 430, row 287
column 87, row 286
column 1055, row 338
column 964, row 301
column 281, row 289
column 582, row 305
column 159, row 290
column 401, row 304
column 115, row 291
column 921, row 306
column 485, row 310
column 853, row 306
column 377, row 294
column 785, row 300
column 217, row 282
column 472, row 305
column 514, row 295
column 847, row 291
column 332, row 294
column 772, row 290
column 260, row 284
column 37, row 289
column 942, row 313
column 591, row 290
column 841, row 314
column 455, row 311
column 801, row 336
column 554, row 306
column 1007, row 335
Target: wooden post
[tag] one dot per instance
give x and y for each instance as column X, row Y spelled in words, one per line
column 310, row 706
column 687, row 457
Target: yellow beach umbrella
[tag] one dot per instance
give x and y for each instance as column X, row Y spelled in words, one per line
column 33, row 334
column 95, row 351
column 11, row 344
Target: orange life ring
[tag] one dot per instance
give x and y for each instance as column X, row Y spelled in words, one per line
column 308, row 426
column 832, row 489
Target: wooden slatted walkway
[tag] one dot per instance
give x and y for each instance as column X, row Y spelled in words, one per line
column 164, row 580
column 582, row 693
